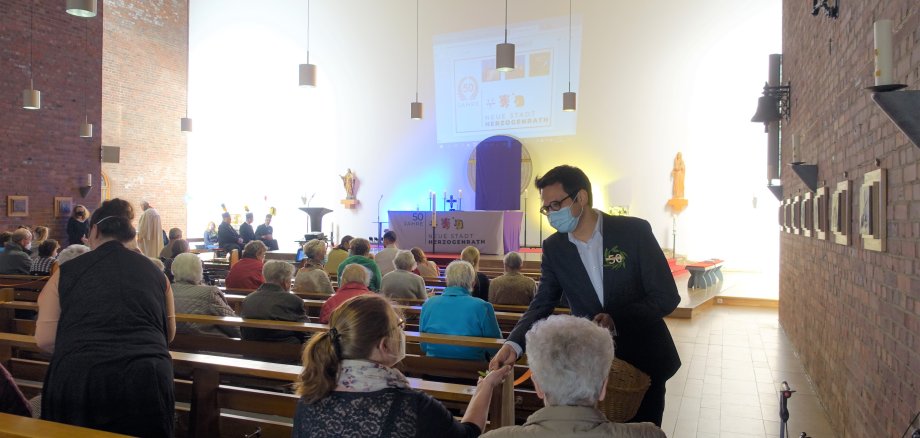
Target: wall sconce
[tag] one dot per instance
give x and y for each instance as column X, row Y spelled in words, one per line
column 87, row 185
column 830, row 11
column 775, row 104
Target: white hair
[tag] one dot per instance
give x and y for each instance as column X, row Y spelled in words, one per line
column 314, row 249
column 512, row 261
column 157, row 262
column 404, row 260
column 460, row 273
column 187, row 267
column 570, row 359
column 354, row 272
column 71, row 252
column 278, row 272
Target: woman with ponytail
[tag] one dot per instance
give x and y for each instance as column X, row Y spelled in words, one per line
column 349, row 388
column 107, row 317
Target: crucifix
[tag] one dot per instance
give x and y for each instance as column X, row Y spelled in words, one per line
column 451, row 201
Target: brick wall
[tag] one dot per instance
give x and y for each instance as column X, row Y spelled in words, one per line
column 853, row 314
column 41, row 153
column 143, row 98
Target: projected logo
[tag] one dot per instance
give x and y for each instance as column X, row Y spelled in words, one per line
column 467, row 89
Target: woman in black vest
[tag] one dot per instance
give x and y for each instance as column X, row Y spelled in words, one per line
column 108, row 317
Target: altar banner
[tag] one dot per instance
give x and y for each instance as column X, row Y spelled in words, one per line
column 489, row 231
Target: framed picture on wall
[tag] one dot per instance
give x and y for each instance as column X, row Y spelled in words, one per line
column 840, row 213
column 873, row 196
column 17, row 206
column 807, row 214
column 63, row 206
column 819, row 213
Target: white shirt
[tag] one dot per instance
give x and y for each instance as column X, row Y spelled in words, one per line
column 592, row 256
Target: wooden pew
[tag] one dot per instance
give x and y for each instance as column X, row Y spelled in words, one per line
column 207, row 395
column 16, row 426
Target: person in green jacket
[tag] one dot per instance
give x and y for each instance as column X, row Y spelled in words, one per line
column 360, row 253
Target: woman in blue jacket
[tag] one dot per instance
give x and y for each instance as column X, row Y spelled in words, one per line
column 456, row 312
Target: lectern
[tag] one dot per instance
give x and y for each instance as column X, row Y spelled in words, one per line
column 316, row 217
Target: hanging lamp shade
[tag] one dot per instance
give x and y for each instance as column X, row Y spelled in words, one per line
column 86, row 128
column 307, row 75
column 82, row 8
column 31, row 98
column 416, row 111
column 504, row 57
column 186, row 124
column 568, row 101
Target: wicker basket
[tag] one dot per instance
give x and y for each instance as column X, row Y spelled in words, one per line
column 625, row 389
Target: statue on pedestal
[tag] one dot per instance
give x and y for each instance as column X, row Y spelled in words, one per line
column 349, row 181
column 677, row 201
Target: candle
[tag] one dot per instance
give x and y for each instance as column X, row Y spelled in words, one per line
column 883, row 66
column 461, row 193
column 525, row 193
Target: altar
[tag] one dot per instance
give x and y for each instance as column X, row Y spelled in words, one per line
column 492, row 232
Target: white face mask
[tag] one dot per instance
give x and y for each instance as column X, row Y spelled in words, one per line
column 29, row 247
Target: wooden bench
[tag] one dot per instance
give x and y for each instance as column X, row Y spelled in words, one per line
column 14, row 425
column 704, row 274
column 207, row 395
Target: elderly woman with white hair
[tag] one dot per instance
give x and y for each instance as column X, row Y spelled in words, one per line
column 570, row 359
column 195, row 298
column 71, row 252
column 311, row 277
column 273, row 300
column 401, row 283
column 354, row 281
column 456, row 312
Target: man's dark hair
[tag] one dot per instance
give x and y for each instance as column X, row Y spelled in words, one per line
column 571, row 178
column 360, row 247
column 5, row 237
column 175, row 233
column 249, row 215
column 47, row 247
column 179, row 247
column 389, row 236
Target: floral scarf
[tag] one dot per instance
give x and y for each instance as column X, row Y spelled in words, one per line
column 366, row 376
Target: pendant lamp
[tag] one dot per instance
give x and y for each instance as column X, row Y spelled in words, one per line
column 308, row 71
column 82, row 8
column 415, row 109
column 504, row 52
column 86, row 128
column 568, row 98
column 185, row 123
column 31, row 98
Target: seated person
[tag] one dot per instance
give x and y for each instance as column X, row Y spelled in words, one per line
column 175, row 248
column 456, row 312
column 338, row 255
column 349, row 388
column 174, row 235
column 246, row 231
column 402, row 283
column 352, row 283
column 45, row 264
column 426, row 268
column 5, row 238
column 470, row 255
column 311, row 277
column 247, row 273
column 360, row 254
column 71, row 252
column 195, row 298
column 265, row 233
column 570, row 360
column 16, row 259
column 273, row 301
column 512, row 287
column 39, row 235
column 210, row 236
column 384, row 258
column 227, row 238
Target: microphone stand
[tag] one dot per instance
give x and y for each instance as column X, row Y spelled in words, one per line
column 379, row 224
column 784, row 394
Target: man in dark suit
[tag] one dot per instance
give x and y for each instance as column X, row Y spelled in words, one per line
column 227, row 237
column 246, row 229
column 610, row 269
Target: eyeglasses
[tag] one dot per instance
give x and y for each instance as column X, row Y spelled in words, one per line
column 401, row 324
column 555, row 205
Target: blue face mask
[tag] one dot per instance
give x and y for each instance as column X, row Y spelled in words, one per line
column 563, row 221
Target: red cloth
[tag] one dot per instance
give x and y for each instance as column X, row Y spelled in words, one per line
column 245, row 274
column 345, row 293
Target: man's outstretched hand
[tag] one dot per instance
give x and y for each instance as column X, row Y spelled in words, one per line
column 505, row 356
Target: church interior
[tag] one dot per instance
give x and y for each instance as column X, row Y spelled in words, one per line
column 792, row 236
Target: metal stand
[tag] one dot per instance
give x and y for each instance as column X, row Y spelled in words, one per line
column 525, row 222
column 784, row 394
column 674, row 236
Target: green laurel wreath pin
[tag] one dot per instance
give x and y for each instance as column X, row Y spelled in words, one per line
column 614, row 258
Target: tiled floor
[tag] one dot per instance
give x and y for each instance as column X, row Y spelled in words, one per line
column 734, row 359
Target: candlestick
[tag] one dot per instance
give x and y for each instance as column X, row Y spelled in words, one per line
column 461, row 193
column 883, row 49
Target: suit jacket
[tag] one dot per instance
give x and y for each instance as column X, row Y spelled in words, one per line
column 271, row 301
column 638, row 292
column 226, row 234
column 246, row 233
